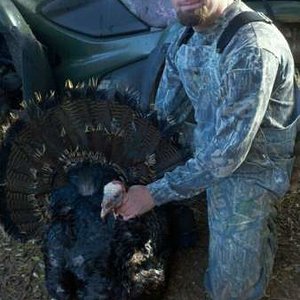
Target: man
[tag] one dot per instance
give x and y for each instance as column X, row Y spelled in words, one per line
column 243, row 140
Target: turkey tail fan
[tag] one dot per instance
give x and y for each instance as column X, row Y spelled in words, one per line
column 54, row 134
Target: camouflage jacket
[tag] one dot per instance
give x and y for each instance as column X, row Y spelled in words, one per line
column 243, row 105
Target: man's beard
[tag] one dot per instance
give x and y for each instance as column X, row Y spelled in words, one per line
column 193, row 18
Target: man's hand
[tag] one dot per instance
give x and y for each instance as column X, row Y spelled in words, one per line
column 138, row 202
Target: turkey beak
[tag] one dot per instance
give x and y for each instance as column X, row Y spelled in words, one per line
column 103, row 214
column 106, row 208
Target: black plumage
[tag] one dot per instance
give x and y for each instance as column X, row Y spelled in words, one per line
column 90, row 258
column 56, row 158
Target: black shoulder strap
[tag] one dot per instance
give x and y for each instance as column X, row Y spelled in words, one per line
column 187, row 34
column 236, row 23
column 233, row 26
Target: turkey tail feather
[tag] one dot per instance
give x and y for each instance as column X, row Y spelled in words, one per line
column 55, row 134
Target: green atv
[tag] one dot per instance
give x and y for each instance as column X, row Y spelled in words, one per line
column 45, row 42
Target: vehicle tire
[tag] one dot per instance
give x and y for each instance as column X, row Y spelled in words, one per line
column 10, row 83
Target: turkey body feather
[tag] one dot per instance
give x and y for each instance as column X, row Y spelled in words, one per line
column 89, row 258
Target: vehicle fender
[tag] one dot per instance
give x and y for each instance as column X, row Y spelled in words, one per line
column 144, row 76
column 141, row 78
column 27, row 53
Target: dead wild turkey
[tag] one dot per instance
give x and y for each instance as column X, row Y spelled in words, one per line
column 56, row 157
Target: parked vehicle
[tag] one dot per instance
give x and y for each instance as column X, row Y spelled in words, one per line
column 43, row 43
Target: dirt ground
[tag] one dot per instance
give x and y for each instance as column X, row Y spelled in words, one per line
column 22, row 273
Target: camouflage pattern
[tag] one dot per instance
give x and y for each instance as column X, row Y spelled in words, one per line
column 243, row 145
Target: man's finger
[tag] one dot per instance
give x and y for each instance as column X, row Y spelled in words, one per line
column 125, row 209
column 127, row 212
column 128, row 217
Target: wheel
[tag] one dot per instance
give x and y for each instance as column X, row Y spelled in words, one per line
column 10, row 83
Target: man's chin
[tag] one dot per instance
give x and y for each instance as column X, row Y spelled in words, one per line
column 188, row 19
column 194, row 17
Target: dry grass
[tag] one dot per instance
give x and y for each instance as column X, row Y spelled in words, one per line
column 285, row 283
column 21, row 270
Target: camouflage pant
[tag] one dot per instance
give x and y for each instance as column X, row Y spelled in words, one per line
column 242, row 238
